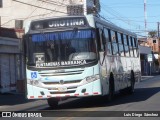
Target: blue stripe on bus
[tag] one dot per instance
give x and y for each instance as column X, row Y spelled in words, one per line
column 82, row 34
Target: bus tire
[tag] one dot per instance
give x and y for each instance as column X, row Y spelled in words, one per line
column 111, row 88
column 131, row 88
column 52, row 102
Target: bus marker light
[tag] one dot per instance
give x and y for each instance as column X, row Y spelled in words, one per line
column 76, row 94
column 86, row 93
column 31, row 97
column 96, row 93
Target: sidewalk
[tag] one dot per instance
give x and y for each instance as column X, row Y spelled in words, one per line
column 146, row 77
column 149, row 77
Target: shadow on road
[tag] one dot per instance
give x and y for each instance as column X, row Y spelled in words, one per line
column 13, row 99
column 141, row 94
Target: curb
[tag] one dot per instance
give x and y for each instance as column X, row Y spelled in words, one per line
column 148, row 77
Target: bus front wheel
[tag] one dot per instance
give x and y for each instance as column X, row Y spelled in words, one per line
column 52, row 102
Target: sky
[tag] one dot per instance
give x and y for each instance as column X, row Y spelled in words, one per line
column 129, row 14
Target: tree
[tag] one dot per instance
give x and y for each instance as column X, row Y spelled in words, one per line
column 152, row 33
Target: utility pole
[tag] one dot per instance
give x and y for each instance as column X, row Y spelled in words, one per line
column 145, row 17
column 158, row 29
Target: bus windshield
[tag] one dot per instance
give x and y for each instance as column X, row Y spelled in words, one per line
column 65, row 48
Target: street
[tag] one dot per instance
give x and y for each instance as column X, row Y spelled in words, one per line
column 145, row 98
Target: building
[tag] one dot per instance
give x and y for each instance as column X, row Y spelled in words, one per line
column 10, row 60
column 144, row 49
column 154, row 43
column 149, row 46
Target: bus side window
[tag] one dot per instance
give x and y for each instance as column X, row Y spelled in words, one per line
column 130, row 46
column 100, row 39
column 120, row 45
column 108, row 42
column 114, row 43
column 135, row 47
column 126, row 48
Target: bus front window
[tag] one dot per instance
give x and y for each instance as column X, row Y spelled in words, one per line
column 62, row 47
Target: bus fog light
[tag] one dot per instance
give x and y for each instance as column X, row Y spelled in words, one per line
column 36, row 82
column 33, row 82
column 92, row 78
column 30, row 82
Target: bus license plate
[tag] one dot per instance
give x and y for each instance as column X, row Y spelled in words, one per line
column 62, row 89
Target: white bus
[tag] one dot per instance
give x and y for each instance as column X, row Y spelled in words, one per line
column 79, row 56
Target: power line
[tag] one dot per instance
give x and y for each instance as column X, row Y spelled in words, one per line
column 138, row 17
column 39, row 7
column 52, row 3
column 22, row 18
column 26, row 18
column 105, row 19
column 32, row 12
column 134, row 20
column 131, row 6
column 123, row 19
column 116, row 14
column 57, row 2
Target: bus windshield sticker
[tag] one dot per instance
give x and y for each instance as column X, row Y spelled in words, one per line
column 62, row 63
column 33, row 75
column 39, row 57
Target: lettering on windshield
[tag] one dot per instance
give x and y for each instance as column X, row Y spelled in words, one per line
column 62, row 63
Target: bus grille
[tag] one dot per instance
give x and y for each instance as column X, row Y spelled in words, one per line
column 65, row 82
column 47, row 74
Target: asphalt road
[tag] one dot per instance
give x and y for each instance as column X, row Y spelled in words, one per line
column 145, row 98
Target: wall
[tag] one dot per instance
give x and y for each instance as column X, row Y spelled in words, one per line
column 9, row 64
column 13, row 10
column 154, row 46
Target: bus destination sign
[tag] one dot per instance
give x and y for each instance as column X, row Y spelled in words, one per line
column 57, row 23
column 66, row 22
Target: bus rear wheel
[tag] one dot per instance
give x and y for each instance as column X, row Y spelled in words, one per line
column 52, row 102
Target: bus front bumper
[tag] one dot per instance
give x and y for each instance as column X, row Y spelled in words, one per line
column 90, row 89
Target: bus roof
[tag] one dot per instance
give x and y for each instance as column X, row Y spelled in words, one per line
column 91, row 20
column 109, row 25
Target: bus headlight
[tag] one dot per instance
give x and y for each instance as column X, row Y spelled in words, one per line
column 92, row 78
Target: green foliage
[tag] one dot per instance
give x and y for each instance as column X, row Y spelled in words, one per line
column 152, row 33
